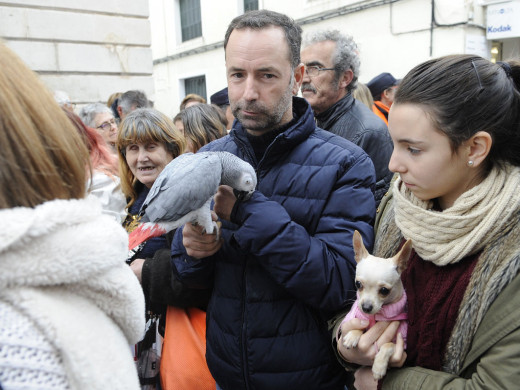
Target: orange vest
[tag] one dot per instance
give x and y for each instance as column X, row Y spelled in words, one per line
column 381, row 110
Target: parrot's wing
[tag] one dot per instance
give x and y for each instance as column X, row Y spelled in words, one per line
column 162, row 181
column 185, row 186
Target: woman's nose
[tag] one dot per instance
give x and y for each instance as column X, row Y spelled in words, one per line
column 394, row 165
column 142, row 155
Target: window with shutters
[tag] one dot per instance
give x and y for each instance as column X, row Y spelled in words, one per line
column 250, row 5
column 196, row 85
column 191, row 23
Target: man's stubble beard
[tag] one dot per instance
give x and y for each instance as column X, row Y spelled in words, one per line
column 268, row 120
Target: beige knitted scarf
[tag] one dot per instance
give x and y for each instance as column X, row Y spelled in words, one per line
column 474, row 220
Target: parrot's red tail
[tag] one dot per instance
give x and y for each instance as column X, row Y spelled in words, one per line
column 144, row 232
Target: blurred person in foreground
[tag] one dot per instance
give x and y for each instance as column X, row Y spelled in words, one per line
column 69, row 305
column 285, row 261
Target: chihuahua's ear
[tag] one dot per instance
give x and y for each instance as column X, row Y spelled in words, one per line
column 360, row 252
column 402, row 257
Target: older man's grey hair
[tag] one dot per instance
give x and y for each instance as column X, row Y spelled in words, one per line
column 133, row 99
column 88, row 113
column 346, row 55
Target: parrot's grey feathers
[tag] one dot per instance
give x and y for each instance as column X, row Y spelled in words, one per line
column 184, row 189
column 184, row 185
column 189, row 182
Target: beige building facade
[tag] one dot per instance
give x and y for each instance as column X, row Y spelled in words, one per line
column 392, row 35
column 86, row 48
column 168, row 48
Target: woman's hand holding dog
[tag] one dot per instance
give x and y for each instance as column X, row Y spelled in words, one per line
column 381, row 333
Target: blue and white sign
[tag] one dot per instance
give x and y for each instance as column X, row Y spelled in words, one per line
column 503, row 20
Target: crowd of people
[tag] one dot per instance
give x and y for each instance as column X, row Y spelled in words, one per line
column 432, row 157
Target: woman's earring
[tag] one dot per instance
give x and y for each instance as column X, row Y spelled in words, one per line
column 470, row 163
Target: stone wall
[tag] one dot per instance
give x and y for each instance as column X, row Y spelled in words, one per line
column 87, row 48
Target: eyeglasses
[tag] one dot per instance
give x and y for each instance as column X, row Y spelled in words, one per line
column 315, row 70
column 107, row 125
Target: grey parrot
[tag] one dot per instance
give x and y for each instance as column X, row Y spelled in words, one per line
column 183, row 192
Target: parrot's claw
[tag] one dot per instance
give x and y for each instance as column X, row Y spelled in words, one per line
column 215, row 230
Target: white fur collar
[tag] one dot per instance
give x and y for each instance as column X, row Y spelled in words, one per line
column 72, row 246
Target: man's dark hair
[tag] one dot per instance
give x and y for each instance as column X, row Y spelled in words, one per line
column 261, row 19
column 133, row 99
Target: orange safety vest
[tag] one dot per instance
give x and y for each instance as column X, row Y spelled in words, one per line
column 381, row 110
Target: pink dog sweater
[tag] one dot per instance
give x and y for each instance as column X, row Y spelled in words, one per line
column 392, row 312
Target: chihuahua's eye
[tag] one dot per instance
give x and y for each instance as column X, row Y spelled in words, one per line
column 359, row 286
column 384, row 291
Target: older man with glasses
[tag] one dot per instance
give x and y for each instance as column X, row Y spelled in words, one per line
column 100, row 117
column 331, row 73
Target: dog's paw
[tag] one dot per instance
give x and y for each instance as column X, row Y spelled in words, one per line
column 379, row 370
column 381, row 360
column 351, row 339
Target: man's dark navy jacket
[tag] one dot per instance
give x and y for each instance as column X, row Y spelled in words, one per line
column 287, row 262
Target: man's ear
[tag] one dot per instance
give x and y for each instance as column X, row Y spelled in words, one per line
column 346, row 79
column 120, row 111
column 478, row 147
column 386, row 93
column 299, row 72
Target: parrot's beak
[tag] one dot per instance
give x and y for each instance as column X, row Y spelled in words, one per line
column 242, row 195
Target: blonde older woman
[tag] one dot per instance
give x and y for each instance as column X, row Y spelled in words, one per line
column 147, row 142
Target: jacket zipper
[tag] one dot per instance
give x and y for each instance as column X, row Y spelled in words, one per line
column 241, row 145
column 243, row 336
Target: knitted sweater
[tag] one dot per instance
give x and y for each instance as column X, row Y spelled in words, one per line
column 486, row 330
column 392, row 312
column 64, row 283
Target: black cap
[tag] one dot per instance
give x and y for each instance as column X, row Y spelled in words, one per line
column 220, row 98
column 381, row 82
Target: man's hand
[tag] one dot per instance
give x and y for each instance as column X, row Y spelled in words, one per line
column 224, row 202
column 198, row 243
column 365, row 379
column 382, row 332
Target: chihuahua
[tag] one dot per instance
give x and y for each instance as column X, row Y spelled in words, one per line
column 380, row 297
